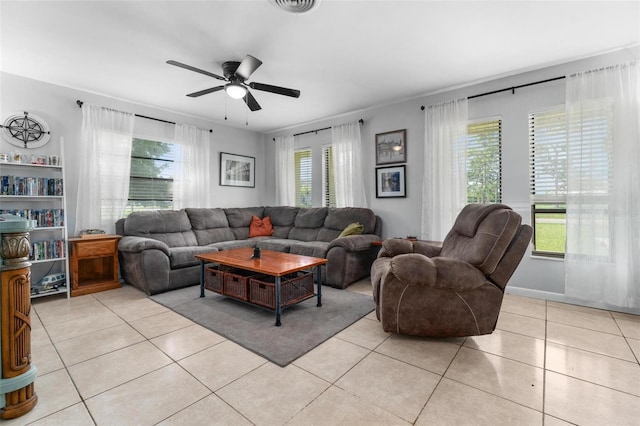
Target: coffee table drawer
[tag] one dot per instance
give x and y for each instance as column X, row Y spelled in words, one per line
column 294, row 288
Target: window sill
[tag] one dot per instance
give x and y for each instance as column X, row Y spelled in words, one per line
column 540, row 257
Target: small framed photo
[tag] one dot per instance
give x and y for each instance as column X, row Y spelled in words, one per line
column 237, row 170
column 391, row 147
column 391, row 182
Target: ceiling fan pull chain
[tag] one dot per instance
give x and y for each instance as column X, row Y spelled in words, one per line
column 225, row 107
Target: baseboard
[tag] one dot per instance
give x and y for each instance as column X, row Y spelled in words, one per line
column 562, row 298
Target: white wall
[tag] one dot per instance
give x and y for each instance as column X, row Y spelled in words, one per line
column 57, row 105
column 541, row 277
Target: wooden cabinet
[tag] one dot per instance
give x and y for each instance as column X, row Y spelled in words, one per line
column 93, row 263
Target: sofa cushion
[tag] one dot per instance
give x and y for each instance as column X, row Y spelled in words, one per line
column 240, row 219
column 210, row 225
column 282, row 218
column 308, row 223
column 339, row 218
column 232, row 244
column 275, row 244
column 260, row 227
column 172, row 227
column 181, row 257
column 310, row 248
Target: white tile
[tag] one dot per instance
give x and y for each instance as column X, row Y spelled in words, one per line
column 338, row 407
column 528, row 326
column 221, row 364
column 466, row 400
column 98, row 343
column 271, row 395
column 602, row 323
column 585, row 403
column 591, row 367
column 115, row 368
column 392, row 385
column 157, row 325
column 76, row 415
column 186, row 341
column 589, row 340
column 510, row 345
column 55, row 393
column 365, row 333
column 148, row 399
column 508, row 379
column 431, row 354
column 209, row 411
column 331, row 359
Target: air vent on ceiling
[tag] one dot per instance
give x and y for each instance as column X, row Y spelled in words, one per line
column 296, row 6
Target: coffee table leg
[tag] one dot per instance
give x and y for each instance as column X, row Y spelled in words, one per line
column 278, row 310
column 319, row 281
column 201, row 278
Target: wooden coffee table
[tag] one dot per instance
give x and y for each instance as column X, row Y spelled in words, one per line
column 271, row 263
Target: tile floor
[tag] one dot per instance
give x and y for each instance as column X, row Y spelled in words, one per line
column 118, row 358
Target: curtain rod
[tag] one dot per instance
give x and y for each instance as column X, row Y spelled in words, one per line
column 512, row 88
column 80, row 103
column 361, row 121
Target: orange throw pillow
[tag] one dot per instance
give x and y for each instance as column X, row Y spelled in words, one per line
column 260, row 227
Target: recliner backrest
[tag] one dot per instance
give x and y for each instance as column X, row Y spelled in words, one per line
column 481, row 235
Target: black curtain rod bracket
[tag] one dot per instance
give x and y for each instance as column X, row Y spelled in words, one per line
column 361, row 121
column 512, row 89
column 80, row 103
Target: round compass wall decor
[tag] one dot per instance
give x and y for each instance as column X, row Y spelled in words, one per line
column 25, row 130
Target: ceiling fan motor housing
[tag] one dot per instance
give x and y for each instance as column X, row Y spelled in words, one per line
column 229, row 70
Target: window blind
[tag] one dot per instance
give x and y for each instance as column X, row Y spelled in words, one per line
column 484, row 161
column 151, row 179
column 328, row 183
column 548, row 156
column 303, row 177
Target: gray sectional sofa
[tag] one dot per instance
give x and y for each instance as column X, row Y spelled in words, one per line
column 157, row 250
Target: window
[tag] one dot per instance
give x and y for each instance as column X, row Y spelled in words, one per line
column 484, row 162
column 328, row 184
column 548, row 181
column 302, row 158
column 152, row 172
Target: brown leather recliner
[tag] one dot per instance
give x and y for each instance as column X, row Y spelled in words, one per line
column 423, row 289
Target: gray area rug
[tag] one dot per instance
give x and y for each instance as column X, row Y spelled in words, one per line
column 304, row 326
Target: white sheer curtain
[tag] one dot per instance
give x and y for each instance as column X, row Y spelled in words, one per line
column 105, row 165
column 285, row 171
column 346, row 145
column 192, row 175
column 444, row 185
column 602, row 259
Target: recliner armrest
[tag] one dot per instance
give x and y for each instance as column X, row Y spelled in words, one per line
column 396, row 246
column 138, row 244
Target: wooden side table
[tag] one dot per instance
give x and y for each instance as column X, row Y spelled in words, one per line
column 93, row 262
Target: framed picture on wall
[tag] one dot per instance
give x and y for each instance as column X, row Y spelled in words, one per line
column 391, row 182
column 237, row 170
column 391, row 147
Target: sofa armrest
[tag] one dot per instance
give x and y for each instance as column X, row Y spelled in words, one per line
column 353, row 243
column 138, row 244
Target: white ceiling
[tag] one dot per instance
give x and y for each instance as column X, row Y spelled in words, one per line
column 344, row 56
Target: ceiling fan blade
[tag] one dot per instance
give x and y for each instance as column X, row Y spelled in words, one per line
column 190, row 68
column 251, row 102
column 205, row 91
column 275, row 89
column 248, row 66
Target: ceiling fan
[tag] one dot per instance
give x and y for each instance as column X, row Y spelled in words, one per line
column 236, row 75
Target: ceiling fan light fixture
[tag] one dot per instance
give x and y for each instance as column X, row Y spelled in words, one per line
column 296, row 6
column 235, row 90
